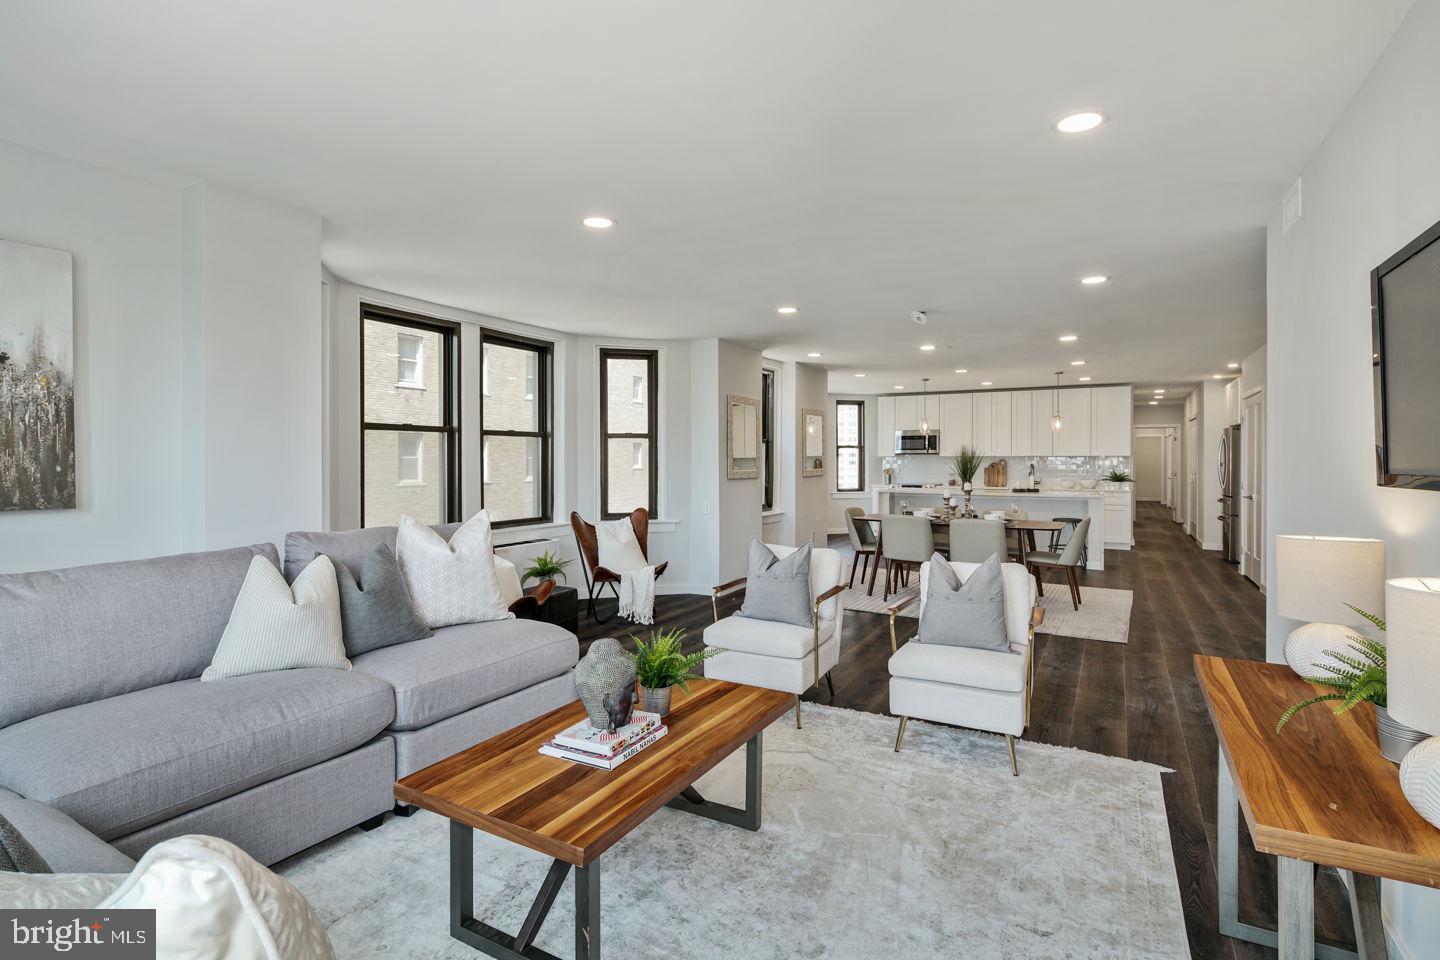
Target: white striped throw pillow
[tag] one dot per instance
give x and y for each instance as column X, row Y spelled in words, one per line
column 274, row 626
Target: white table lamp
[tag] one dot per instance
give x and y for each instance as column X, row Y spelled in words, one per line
column 1413, row 669
column 1315, row 577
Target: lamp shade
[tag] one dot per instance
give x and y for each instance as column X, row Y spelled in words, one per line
column 1315, row 577
column 1412, row 638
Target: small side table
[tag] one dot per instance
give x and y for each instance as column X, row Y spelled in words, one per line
column 562, row 609
column 1316, row 794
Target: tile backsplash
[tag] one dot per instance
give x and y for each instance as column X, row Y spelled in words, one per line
column 934, row 469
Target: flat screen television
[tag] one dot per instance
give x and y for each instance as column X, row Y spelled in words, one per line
column 1405, row 323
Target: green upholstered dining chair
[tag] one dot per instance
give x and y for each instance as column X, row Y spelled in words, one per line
column 905, row 542
column 862, row 541
column 975, row 541
column 1068, row 559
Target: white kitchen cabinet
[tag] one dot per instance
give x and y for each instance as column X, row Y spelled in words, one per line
column 957, row 413
column 1042, row 440
column 1110, row 421
column 1073, row 439
column 907, row 413
column 886, row 426
column 984, row 424
column 1119, row 518
column 1004, row 429
column 1022, row 424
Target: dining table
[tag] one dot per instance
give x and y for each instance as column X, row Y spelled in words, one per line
column 1024, row 539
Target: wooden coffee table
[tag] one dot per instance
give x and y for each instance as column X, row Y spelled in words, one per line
column 574, row 813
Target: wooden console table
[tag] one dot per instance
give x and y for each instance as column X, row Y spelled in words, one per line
column 1317, row 794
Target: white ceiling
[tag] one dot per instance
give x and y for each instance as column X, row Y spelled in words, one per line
column 859, row 159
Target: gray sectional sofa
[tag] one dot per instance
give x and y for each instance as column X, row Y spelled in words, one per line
column 109, row 742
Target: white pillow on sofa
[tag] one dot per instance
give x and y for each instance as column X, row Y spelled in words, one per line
column 211, row 899
column 277, row 626
column 451, row 582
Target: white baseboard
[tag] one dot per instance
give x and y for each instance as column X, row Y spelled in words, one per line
column 1208, row 545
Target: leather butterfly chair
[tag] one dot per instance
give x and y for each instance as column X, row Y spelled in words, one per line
column 596, row 576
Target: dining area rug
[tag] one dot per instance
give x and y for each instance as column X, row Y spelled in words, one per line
column 1104, row 612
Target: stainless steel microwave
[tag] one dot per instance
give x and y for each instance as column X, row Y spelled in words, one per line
column 916, row 441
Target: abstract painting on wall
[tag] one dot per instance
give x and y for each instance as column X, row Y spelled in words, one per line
column 37, row 385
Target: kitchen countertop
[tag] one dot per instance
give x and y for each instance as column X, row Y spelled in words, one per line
column 1043, row 493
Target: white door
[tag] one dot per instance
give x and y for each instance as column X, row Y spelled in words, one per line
column 1172, row 473
column 1252, row 489
column 1192, row 475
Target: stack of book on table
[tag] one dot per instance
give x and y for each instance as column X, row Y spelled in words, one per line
column 600, row 748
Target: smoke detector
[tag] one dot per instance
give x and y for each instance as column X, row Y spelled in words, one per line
column 919, row 317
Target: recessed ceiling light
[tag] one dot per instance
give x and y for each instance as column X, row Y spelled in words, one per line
column 598, row 223
column 814, row 356
column 962, row 370
column 1217, row 376
column 1069, row 338
column 787, row 310
column 1154, row 403
column 1083, row 379
column 899, row 386
column 927, row 347
column 984, row 383
column 1080, row 121
column 859, row 374
column 1233, row 366
column 1094, row 280
column 1077, row 363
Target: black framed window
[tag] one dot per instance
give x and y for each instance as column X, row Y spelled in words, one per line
column 767, row 436
column 849, row 445
column 629, row 431
column 409, row 424
column 515, row 429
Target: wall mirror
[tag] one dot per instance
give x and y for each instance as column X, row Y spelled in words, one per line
column 742, row 447
column 812, row 431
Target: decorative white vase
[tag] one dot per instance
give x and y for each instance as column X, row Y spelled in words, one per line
column 1307, row 648
column 1420, row 779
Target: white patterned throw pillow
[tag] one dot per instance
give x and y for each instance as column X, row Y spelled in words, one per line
column 451, row 582
column 275, row 626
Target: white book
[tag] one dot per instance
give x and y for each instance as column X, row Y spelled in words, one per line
column 551, row 749
column 603, row 743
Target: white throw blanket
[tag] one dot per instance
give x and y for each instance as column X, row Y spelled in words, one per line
column 620, row 551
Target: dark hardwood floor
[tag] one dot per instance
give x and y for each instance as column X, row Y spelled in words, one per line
column 1138, row 700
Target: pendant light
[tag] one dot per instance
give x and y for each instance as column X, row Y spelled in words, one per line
column 1057, row 422
column 924, row 406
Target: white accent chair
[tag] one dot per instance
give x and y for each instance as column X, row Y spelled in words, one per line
column 965, row 686
column 782, row 656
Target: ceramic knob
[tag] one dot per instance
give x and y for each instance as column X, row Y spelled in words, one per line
column 1306, row 649
column 1420, row 779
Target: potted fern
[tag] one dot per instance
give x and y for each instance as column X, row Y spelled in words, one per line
column 1357, row 675
column 547, row 566
column 661, row 664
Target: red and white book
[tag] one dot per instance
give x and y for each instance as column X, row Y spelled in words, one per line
column 552, row 749
column 604, row 743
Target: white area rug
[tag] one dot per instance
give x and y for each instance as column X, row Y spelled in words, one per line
column 1104, row 613
column 936, row 851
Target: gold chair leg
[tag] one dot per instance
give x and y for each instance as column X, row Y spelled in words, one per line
column 900, row 734
column 797, row 711
column 1014, row 767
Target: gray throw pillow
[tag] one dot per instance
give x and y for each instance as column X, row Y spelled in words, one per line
column 16, row 854
column 776, row 589
column 377, row 612
column 972, row 615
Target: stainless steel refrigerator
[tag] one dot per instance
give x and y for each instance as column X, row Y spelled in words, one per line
column 1230, row 493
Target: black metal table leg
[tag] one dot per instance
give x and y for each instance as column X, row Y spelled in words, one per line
column 496, row 943
column 691, row 801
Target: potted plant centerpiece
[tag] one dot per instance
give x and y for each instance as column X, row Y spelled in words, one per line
column 547, row 566
column 661, row 664
column 1119, row 476
column 1354, row 676
column 964, row 465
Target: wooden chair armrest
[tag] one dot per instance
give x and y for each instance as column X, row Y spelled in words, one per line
column 834, row 591
column 542, row 592
column 894, row 611
column 1037, row 617
column 716, row 591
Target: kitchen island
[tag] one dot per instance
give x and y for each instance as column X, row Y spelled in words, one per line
column 1109, row 510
